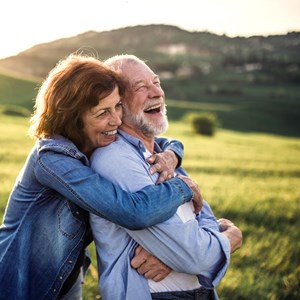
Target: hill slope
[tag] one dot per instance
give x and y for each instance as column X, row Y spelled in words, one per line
column 167, row 48
column 256, row 79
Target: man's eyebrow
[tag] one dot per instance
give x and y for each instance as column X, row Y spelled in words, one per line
column 137, row 82
column 142, row 81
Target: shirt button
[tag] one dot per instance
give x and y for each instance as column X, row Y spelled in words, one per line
column 70, row 261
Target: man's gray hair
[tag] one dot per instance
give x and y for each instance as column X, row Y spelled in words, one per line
column 117, row 62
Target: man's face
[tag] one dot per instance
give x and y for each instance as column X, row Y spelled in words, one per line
column 144, row 103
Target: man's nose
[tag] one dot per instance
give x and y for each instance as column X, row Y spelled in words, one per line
column 156, row 91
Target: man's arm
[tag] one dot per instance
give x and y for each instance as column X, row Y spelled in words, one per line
column 151, row 267
column 185, row 247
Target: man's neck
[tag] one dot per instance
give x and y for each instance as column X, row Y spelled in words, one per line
column 148, row 141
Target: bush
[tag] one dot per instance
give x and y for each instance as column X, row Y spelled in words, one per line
column 205, row 123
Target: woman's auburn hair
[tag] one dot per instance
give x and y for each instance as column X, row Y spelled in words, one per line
column 75, row 85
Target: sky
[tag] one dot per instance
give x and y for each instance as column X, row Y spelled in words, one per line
column 25, row 23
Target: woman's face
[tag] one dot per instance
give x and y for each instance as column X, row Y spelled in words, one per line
column 101, row 122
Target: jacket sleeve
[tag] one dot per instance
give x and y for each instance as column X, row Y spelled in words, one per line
column 80, row 184
column 173, row 145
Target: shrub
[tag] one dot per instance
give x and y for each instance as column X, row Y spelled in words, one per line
column 205, row 123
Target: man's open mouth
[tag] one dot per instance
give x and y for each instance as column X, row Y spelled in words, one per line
column 153, row 109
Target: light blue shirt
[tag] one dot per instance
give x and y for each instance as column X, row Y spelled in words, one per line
column 194, row 247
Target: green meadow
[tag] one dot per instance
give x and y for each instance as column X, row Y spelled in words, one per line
column 250, row 178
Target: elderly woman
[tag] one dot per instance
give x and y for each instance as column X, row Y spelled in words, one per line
column 45, row 229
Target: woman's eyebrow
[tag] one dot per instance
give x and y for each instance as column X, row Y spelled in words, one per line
column 96, row 112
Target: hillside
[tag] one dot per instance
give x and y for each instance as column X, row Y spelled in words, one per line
column 169, row 50
column 252, row 84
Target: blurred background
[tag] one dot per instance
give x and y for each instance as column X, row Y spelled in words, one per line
column 235, row 62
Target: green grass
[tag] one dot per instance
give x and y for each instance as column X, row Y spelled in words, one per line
column 17, row 91
column 252, row 179
column 15, row 145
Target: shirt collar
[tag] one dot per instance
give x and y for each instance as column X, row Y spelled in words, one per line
column 137, row 143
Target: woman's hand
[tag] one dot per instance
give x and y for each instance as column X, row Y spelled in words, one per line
column 197, row 197
column 149, row 266
column 164, row 163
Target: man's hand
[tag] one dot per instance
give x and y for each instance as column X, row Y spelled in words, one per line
column 197, row 197
column 164, row 163
column 149, row 266
column 232, row 232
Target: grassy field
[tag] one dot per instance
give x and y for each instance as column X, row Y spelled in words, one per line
column 17, row 91
column 252, row 179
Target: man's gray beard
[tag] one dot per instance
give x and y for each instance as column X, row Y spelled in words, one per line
column 147, row 128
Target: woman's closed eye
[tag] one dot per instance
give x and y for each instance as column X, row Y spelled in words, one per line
column 102, row 114
column 119, row 105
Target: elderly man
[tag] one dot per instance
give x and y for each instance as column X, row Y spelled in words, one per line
column 191, row 245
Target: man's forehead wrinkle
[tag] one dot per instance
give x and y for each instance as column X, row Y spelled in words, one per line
column 144, row 80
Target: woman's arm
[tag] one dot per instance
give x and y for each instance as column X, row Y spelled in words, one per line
column 81, row 185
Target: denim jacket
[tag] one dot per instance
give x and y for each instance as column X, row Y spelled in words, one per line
column 45, row 226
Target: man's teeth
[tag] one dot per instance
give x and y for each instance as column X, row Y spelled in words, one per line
column 154, row 107
column 110, row 132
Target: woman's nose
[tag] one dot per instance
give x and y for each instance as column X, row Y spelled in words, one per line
column 116, row 118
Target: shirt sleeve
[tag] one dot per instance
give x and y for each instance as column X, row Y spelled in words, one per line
column 188, row 248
